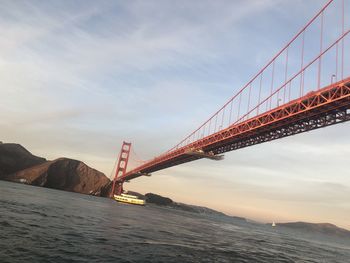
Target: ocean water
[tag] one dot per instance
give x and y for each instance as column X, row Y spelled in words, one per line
column 46, row 225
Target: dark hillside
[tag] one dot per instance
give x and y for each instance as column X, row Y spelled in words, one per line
column 14, row 157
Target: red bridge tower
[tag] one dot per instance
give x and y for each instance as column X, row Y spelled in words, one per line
column 117, row 187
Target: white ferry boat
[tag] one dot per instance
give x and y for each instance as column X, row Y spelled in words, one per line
column 129, row 199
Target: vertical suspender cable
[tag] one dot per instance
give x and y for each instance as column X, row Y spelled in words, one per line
column 229, row 121
column 343, row 32
column 248, row 105
column 272, row 82
column 239, row 105
column 260, row 86
column 285, row 76
column 223, row 116
column 302, row 65
column 321, row 49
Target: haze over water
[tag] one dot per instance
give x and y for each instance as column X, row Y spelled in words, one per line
column 45, row 225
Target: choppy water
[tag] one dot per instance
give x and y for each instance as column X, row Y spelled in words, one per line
column 45, row 225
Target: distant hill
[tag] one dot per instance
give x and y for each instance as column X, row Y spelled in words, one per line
column 158, row 199
column 321, row 228
column 165, row 201
column 18, row 165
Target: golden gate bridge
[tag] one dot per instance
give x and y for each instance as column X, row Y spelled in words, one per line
column 305, row 86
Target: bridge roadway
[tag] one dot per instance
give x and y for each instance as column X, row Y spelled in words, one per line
column 321, row 108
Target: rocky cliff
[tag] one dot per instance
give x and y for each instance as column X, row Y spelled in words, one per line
column 19, row 165
column 14, row 157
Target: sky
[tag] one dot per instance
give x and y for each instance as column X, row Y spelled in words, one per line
column 77, row 78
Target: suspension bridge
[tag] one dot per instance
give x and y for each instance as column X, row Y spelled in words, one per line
column 305, row 86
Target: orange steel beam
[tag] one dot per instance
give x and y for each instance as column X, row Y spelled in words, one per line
column 317, row 109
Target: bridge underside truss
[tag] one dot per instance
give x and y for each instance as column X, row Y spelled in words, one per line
column 308, row 124
column 322, row 109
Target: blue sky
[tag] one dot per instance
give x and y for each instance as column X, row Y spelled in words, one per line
column 79, row 77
